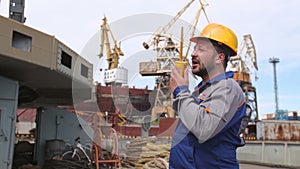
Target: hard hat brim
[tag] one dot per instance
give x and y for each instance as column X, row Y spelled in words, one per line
column 195, row 39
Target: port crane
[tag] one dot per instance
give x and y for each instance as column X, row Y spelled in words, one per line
column 243, row 65
column 114, row 75
column 167, row 53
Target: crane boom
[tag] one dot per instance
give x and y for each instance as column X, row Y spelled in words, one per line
column 195, row 23
column 166, row 27
column 246, row 58
column 112, row 56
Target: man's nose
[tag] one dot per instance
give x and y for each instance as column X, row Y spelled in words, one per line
column 193, row 54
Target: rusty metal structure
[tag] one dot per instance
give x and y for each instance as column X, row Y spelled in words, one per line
column 275, row 130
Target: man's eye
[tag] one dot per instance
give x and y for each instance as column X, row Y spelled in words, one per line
column 200, row 49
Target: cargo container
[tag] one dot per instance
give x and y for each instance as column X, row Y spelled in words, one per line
column 283, row 130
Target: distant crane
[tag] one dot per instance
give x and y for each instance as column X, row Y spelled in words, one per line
column 114, row 75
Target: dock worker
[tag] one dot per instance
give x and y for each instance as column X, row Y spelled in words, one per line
column 209, row 118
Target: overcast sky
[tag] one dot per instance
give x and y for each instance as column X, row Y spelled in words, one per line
column 273, row 24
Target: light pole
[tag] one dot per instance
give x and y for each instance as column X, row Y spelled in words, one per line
column 275, row 60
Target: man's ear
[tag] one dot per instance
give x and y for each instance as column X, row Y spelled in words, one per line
column 220, row 58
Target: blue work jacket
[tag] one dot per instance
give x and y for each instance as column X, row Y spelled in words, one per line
column 218, row 151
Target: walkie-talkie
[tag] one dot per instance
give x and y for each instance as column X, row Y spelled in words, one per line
column 181, row 64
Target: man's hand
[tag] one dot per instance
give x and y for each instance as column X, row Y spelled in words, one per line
column 177, row 80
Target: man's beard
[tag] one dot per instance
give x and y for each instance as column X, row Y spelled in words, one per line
column 200, row 72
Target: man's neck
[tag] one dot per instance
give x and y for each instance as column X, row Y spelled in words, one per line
column 211, row 75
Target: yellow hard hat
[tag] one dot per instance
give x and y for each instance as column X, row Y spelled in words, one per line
column 221, row 34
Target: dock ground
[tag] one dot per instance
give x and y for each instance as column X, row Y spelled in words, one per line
column 257, row 166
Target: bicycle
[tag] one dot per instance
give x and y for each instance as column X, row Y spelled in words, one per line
column 78, row 152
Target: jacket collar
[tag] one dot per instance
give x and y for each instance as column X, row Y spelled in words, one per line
column 220, row 77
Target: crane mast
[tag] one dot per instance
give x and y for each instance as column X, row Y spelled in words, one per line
column 113, row 75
